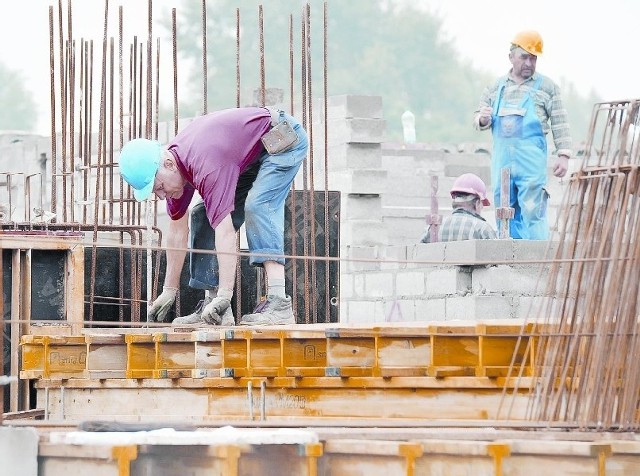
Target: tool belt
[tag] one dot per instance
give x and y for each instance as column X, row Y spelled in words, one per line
column 281, row 137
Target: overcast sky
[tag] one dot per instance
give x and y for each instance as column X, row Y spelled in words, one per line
column 586, row 43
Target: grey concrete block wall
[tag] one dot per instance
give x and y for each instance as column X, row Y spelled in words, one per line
column 471, row 280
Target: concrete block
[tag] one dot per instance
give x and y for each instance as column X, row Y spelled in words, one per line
column 364, row 233
column 19, row 451
column 533, row 250
column 350, row 106
column 379, row 284
column 400, row 310
column 362, row 181
column 360, row 312
column 362, row 258
column 508, row 281
column 365, row 312
column 350, row 131
column 431, row 309
column 410, row 283
column 347, row 285
column 468, row 159
column 352, row 156
column 366, row 207
column 428, row 253
column 484, row 172
column 533, row 308
column 479, row 308
column 413, row 152
column 472, row 252
column 393, row 257
column 358, row 285
column 448, row 281
column 404, row 230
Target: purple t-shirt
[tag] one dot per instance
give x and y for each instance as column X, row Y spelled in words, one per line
column 212, row 152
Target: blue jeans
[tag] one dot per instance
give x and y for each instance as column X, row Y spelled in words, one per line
column 260, row 197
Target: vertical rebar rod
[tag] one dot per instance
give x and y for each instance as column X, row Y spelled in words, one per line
column 205, row 75
column 54, row 153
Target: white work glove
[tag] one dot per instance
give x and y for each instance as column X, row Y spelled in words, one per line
column 212, row 312
column 160, row 307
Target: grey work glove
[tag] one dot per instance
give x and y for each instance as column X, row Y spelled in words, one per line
column 212, row 312
column 158, row 310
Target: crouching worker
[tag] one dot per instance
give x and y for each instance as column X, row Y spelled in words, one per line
column 469, row 196
column 242, row 162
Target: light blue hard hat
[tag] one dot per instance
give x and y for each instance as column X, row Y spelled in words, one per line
column 139, row 162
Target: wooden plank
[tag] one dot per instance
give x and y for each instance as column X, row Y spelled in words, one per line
column 106, row 356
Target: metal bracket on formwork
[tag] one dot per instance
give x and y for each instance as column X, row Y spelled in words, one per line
column 504, row 213
column 434, row 219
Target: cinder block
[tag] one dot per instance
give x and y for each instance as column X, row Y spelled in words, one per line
column 428, row 253
column 393, row 257
column 360, row 312
column 403, row 230
column 365, row 312
column 368, row 131
column 379, row 284
column 538, row 308
column 364, row 207
column 347, row 285
column 431, row 309
column 353, row 156
column 364, row 233
column 400, row 310
column 350, row 106
column 482, row 171
column 476, row 308
column 358, row 285
column 449, row 281
column 508, row 280
column 410, row 283
column 362, row 181
column 533, row 250
column 362, row 258
column 473, row 252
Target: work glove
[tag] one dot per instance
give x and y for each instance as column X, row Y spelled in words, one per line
column 212, row 312
column 160, row 307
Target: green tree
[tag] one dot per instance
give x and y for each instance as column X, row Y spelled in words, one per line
column 384, row 48
column 17, row 107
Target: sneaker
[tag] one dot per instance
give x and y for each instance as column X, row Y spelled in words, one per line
column 274, row 310
column 196, row 316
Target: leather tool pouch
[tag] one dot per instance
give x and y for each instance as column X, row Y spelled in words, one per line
column 280, row 138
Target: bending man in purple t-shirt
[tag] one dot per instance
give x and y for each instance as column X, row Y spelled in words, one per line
column 220, row 155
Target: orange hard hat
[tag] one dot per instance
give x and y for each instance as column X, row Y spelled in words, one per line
column 470, row 184
column 530, row 41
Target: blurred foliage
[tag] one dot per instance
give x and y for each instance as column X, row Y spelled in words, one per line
column 381, row 48
column 17, row 106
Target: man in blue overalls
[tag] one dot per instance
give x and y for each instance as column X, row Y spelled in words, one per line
column 521, row 108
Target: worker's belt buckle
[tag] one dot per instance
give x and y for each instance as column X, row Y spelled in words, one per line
column 280, row 138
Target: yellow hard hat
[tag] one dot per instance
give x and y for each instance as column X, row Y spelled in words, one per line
column 530, row 41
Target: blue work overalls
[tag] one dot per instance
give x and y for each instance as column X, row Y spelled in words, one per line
column 520, row 145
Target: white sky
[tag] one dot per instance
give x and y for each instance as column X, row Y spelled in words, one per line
column 589, row 44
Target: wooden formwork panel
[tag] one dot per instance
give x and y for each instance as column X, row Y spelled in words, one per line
column 563, row 457
column 48, row 356
column 346, row 456
column 429, row 351
column 247, row 399
column 374, row 457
